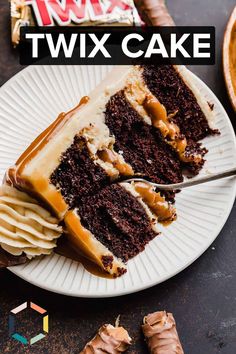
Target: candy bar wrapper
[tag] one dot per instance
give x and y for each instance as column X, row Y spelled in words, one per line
column 110, row 340
column 159, row 329
column 71, row 13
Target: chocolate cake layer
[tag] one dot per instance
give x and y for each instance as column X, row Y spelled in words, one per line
column 77, row 175
column 117, row 219
column 8, row 260
column 141, row 144
column 195, row 147
column 169, row 88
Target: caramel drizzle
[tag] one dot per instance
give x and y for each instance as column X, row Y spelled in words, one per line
column 85, row 246
column 169, row 130
column 38, row 144
column 110, row 156
column 158, row 205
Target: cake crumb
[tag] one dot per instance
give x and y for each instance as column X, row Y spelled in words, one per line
column 107, row 261
column 211, row 105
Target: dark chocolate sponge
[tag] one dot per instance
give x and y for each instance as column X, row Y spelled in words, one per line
column 77, row 175
column 113, row 215
column 142, row 145
column 117, row 220
column 169, row 88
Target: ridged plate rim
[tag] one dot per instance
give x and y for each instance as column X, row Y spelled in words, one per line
column 135, row 288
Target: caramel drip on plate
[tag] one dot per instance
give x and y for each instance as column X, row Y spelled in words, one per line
column 110, row 156
column 65, row 248
column 82, row 239
column 158, row 205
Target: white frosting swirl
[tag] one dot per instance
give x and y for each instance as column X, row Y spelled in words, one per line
column 25, row 226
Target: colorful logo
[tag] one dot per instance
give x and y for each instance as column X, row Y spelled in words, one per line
column 12, row 323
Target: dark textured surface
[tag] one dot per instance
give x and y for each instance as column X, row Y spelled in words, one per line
column 202, row 298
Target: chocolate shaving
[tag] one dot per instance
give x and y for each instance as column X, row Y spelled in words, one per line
column 8, row 260
column 110, row 340
column 159, row 329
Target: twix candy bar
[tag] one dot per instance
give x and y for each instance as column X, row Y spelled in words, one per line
column 159, row 329
column 71, row 13
column 110, row 340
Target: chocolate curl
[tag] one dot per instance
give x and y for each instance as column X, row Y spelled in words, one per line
column 154, row 12
column 110, row 340
column 159, row 329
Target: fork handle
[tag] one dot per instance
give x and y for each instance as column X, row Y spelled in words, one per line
column 190, row 182
column 205, row 179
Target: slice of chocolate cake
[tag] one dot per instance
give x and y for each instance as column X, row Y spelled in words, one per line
column 114, row 225
column 160, row 117
column 141, row 144
column 142, row 121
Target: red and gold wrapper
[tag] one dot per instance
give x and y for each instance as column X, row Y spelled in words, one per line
column 71, row 13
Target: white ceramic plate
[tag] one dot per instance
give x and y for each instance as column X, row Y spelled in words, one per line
column 31, row 100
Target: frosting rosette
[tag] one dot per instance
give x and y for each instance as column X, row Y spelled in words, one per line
column 25, row 226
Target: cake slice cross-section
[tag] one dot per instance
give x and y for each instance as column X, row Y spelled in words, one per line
column 115, row 224
column 135, row 123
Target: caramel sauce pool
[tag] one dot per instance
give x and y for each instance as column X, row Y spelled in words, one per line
column 65, row 249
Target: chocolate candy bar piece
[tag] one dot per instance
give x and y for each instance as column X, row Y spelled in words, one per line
column 110, row 340
column 154, row 12
column 159, row 329
column 71, row 13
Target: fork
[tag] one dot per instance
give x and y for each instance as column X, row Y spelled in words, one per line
column 188, row 183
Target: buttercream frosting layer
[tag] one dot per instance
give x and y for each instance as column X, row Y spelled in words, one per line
column 25, row 226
